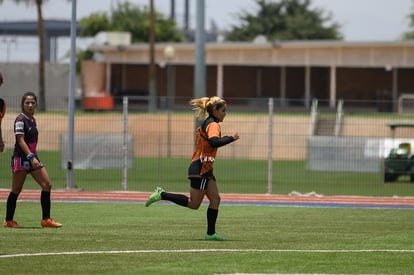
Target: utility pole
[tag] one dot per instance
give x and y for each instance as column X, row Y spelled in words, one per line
column 186, row 16
column 71, row 101
column 200, row 62
column 152, row 104
column 172, row 11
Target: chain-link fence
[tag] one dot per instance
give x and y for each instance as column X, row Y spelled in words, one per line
column 285, row 147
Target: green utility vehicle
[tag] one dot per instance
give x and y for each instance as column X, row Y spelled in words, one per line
column 399, row 162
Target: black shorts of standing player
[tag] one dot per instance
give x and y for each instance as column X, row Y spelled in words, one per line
column 22, row 164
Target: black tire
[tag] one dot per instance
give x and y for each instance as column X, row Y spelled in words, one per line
column 388, row 177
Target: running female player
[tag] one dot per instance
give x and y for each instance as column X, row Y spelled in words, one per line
column 202, row 180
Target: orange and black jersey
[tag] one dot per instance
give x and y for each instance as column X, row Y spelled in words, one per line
column 208, row 139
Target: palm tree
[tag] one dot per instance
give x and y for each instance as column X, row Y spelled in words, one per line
column 40, row 30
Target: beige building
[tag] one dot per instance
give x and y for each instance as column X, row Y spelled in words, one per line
column 292, row 72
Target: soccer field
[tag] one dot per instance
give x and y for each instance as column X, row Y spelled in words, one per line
column 127, row 238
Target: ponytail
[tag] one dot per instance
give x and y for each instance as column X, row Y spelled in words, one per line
column 203, row 107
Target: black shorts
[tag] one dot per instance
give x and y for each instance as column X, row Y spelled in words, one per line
column 200, row 183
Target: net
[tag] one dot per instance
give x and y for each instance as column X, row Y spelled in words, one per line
column 98, row 151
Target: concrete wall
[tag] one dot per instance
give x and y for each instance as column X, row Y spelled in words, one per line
column 23, row 77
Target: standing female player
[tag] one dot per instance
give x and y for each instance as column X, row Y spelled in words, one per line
column 202, row 180
column 25, row 161
column 2, row 113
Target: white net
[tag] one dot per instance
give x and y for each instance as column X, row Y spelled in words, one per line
column 353, row 154
column 99, row 151
column 406, row 104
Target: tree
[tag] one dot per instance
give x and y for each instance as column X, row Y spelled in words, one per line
column 410, row 33
column 133, row 19
column 284, row 20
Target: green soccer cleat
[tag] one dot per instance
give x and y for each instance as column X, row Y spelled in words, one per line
column 214, row 237
column 156, row 196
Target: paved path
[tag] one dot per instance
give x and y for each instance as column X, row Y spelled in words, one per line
column 245, row 199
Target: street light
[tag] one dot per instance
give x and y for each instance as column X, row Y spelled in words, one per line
column 169, row 53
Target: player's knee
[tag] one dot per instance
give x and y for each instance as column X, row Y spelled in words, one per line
column 216, row 199
column 193, row 206
column 215, row 202
column 17, row 190
column 46, row 186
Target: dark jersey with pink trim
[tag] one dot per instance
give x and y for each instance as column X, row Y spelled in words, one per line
column 2, row 109
column 23, row 125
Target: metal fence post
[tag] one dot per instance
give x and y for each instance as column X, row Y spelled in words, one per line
column 125, row 145
column 270, row 149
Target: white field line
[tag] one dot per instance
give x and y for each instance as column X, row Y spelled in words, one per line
column 207, row 251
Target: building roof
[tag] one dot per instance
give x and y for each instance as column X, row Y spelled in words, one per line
column 277, row 53
column 51, row 27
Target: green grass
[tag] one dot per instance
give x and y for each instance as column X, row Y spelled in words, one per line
column 233, row 176
column 350, row 241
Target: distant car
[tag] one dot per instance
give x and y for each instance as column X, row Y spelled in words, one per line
column 399, row 161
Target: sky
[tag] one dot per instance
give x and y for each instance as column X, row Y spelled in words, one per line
column 360, row 20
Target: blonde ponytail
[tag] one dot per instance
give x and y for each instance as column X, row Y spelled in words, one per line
column 203, row 107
